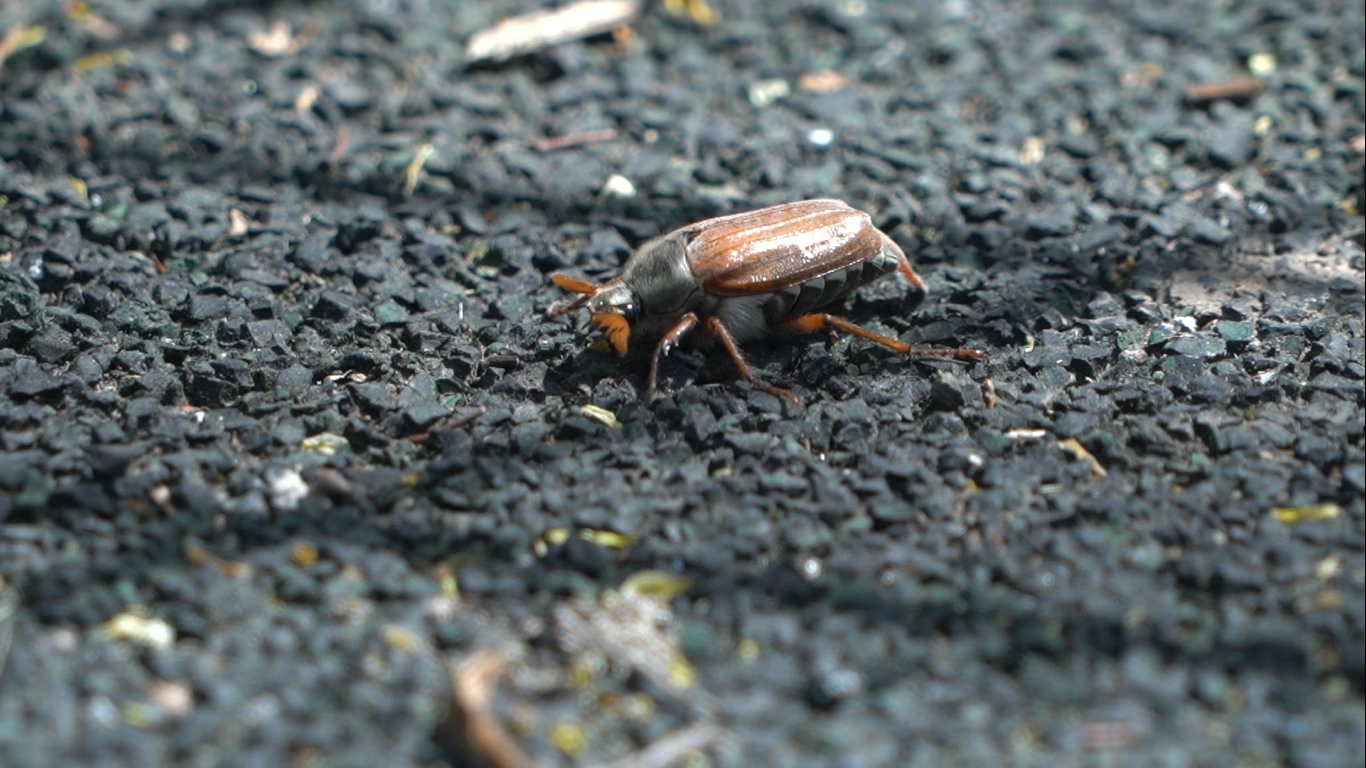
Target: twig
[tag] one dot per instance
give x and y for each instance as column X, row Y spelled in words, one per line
column 1237, row 89
column 471, row 730
column 534, row 31
column 18, row 38
column 574, row 140
column 334, row 157
column 672, row 748
column 9, row 605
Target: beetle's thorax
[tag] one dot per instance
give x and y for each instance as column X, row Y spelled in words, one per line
column 659, row 277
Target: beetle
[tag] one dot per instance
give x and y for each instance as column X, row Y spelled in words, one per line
column 741, row 277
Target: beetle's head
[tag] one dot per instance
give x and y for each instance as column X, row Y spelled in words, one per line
column 612, row 307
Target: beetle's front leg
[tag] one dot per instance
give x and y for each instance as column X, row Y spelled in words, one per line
column 666, row 345
column 717, row 327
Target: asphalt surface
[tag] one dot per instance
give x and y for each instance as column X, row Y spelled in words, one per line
column 295, row 470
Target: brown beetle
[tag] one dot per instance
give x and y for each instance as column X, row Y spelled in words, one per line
column 743, row 276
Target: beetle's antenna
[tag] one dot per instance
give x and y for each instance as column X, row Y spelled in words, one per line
column 577, row 286
column 570, row 307
column 574, row 284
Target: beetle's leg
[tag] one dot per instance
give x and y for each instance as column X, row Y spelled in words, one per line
column 715, row 325
column 667, row 344
column 918, row 289
column 820, row 321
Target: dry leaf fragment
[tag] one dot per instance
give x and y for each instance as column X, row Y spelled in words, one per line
column 608, row 539
column 631, row 629
column 697, row 10
column 600, row 414
column 541, row 29
column 136, row 626
column 659, row 585
column 1077, row 449
column 1297, row 515
column 1237, row 89
column 823, row 81
column 414, row 170
column 239, row 223
column 276, row 41
column 18, row 38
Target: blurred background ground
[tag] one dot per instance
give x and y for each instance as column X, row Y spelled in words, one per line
column 287, row 438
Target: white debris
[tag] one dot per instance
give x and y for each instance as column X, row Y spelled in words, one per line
column 541, row 29
column 618, row 186
column 287, row 489
column 764, row 92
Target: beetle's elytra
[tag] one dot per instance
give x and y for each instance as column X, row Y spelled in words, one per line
column 743, row 276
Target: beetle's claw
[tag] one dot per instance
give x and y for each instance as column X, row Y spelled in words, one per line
column 785, row 394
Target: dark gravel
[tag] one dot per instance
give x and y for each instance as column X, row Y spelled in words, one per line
column 282, row 441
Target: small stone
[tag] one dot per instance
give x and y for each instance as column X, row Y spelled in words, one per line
column 423, row 416
column 1232, row 146
column 946, row 393
column 1100, row 236
column 1079, row 145
column 30, row 380
column 53, row 345
column 390, row 312
column 266, row 332
column 204, row 307
column 1197, row 346
column 1207, row 231
column 373, row 395
column 1163, row 226
column 1054, row 224
column 333, row 305
column 751, row 443
column 1075, row 424
column 1234, row 331
column 292, row 381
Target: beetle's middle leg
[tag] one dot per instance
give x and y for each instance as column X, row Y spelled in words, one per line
column 820, row 321
column 666, row 345
column 717, row 327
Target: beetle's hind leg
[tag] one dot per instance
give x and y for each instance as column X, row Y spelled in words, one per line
column 903, row 265
column 820, row 321
column 714, row 325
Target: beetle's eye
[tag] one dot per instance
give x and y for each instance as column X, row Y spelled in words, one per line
column 627, row 307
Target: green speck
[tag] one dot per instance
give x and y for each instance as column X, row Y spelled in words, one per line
column 390, row 312
column 1235, row 331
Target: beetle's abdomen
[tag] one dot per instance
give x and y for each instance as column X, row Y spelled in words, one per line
column 810, row 296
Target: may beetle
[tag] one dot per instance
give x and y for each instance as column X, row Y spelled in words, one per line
column 743, row 276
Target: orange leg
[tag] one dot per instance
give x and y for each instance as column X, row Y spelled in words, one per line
column 821, row 321
column 715, row 325
column 667, row 344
